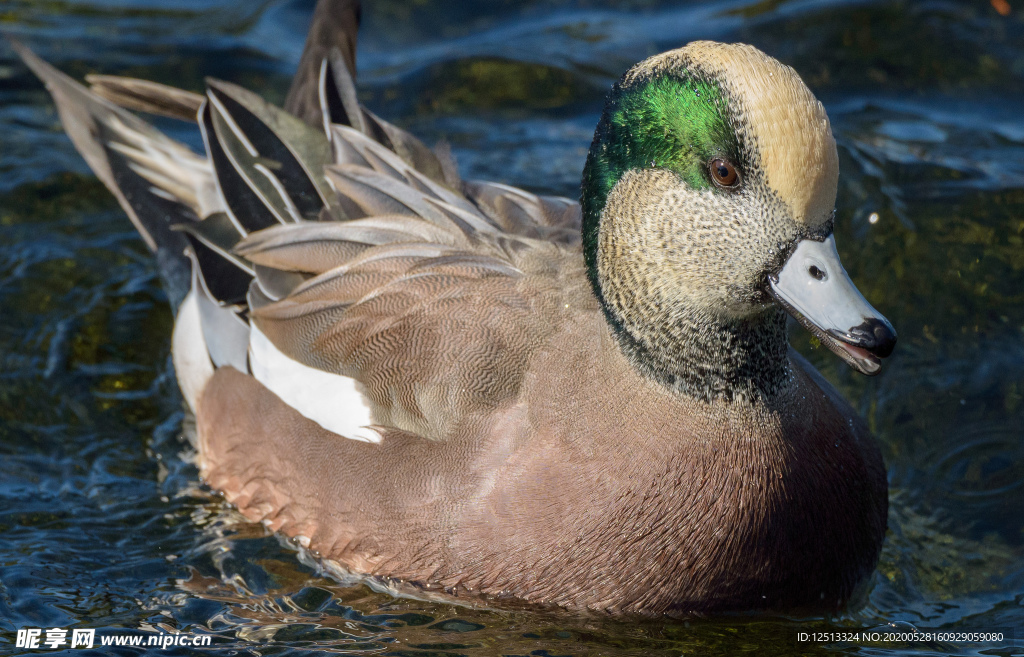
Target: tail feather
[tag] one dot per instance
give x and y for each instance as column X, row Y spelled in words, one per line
column 337, row 90
column 146, row 96
column 339, row 105
column 90, row 123
column 334, row 27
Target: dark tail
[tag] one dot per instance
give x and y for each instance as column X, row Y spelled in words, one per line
column 334, row 26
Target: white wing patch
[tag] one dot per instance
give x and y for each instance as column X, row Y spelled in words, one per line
column 188, row 348
column 330, row 400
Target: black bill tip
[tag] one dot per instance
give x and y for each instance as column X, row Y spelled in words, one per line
column 874, row 335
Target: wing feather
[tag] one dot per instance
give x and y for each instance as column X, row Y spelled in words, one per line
column 356, row 255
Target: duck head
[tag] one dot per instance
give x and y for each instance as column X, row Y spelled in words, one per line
column 708, row 204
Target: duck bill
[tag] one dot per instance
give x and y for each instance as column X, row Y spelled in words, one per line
column 814, row 288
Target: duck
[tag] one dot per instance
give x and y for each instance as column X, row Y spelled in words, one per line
column 506, row 398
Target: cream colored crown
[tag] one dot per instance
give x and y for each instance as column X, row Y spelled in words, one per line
column 778, row 116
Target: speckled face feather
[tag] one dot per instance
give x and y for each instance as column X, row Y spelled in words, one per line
column 675, row 121
column 679, row 263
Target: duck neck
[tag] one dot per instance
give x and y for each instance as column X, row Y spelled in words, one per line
column 708, row 358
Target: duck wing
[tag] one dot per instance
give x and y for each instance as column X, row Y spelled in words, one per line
column 344, row 252
column 420, row 297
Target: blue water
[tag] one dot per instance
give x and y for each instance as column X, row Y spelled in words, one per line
column 103, row 521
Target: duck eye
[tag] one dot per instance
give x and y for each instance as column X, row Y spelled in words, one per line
column 724, row 173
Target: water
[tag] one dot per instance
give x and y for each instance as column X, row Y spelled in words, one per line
column 103, row 522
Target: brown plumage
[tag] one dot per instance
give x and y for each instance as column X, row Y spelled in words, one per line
column 659, row 449
column 562, row 495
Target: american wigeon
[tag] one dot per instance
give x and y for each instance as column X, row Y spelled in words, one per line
column 484, row 392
